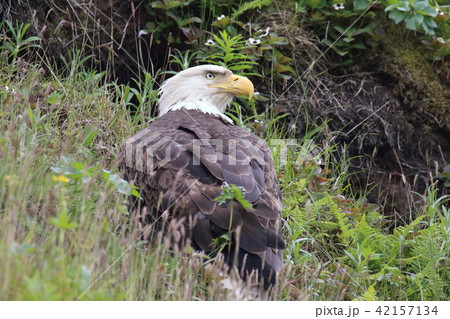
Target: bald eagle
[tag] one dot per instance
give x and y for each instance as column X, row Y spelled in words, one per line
column 182, row 161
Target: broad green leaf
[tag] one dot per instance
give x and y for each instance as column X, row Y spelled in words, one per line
column 430, row 22
column 359, row 46
column 54, row 97
column 360, row 4
column 420, row 5
column 419, row 18
column 428, row 12
column 389, row 8
column 191, row 20
column 313, row 3
column 397, row 16
column 342, row 52
column 340, row 29
column 410, row 23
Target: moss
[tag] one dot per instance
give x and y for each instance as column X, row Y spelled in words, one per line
column 417, row 83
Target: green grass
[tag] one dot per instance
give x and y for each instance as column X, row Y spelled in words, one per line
column 66, row 232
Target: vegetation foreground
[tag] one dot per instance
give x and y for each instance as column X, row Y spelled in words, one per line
column 66, row 232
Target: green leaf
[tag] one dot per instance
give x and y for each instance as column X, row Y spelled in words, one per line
column 427, row 29
column 419, row 18
column 342, row 52
column 135, row 193
column 410, row 23
column 404, row 6
column 30, row 39
column 89, row 135
column 54, row 97
column 428, row 12
column 397, row 16
column 120, row 184
column 360, row 4
column 158, row 5
column 191, row 20
column 359, row 46
column 280, row 68
column 340, row 29
column 420, row 5
column 31, row 116
column 233, row 192
column 430, row 22
column 389, row 8
column 327, row 42
column 240, row 67
column 313, row 3
column 62, row 221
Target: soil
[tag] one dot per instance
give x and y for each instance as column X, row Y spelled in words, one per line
column 390, row 116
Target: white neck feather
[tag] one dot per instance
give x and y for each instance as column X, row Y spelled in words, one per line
column 201, row 106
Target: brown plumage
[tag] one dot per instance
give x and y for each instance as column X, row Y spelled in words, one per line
column 182, row 160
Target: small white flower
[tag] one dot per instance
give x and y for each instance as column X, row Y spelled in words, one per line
column 338, row 6
column 440, row 12
column 221, row 17
column 209, row 42
column 10, row 90
column 252, row 41
column 440, row 40
column 266, row 32
column 141, row 33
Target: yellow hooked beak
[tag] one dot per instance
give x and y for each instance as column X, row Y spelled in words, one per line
column 237, row 85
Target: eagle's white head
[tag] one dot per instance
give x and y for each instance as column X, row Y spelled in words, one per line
column 207, row 88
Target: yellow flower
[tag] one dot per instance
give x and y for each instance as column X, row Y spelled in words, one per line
column 12, row 180
column 61, row 178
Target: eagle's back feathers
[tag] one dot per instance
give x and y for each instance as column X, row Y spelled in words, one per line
column 180, row 163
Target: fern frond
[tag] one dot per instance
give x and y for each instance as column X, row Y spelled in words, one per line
column 249, row 6
column 369, row 295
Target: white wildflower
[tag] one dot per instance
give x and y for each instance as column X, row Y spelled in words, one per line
column 209, row 42
column 141, row 33
column 10, row 90
column 221, row 17
column 338, row 6
column 252, row 41
column 266, row 32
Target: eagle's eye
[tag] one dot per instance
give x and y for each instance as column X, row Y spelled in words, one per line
column 210, row 75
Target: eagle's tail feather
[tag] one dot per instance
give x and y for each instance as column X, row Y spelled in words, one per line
column 248, row 264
